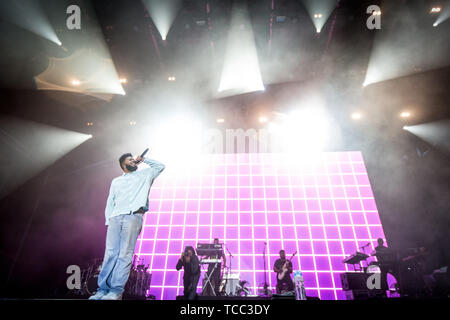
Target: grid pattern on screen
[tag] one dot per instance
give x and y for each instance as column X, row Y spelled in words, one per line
column 323, row 210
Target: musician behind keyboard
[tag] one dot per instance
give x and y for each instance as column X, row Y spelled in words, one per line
column 385, row 258
column 216, row 274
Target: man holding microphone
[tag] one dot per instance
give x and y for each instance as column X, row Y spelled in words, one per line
column 127, row 202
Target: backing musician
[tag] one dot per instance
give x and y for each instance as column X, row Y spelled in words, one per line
column 281, row 266
column 385, row 259
column 189, row 261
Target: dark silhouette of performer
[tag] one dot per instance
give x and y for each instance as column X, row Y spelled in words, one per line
column 190, row 262
column 385, row 259
column 286, row 283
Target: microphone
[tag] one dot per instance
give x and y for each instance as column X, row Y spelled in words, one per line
column 142, row 155
column 229, row 252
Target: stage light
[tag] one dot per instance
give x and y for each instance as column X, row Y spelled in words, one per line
column 273, row 127
column 376, row 13
column 132, row 123
column 389, row 60
column 45, row 144
column 319, row 11
column 262, row 119
column 435, row 133
column 435, row 10
column 220, row 120
column 300, row 132
column 163, row 14
column 171, row 78
column 90, row 60
column 200, row 23
column 405, row 114
column 182, row 140
column 123, row 80
column 241, row 72
column 76, row 82
column 90, row 124
column 29, row 15
column 356, row 115
column 442, row 14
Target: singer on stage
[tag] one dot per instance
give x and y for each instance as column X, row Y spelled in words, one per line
column 127, row 202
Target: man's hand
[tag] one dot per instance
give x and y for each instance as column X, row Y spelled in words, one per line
column 139, row 159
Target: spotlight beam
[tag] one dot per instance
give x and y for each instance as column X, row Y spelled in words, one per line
column 28, row 15
column 163, row 14
column 443, row 16
column 395, row 55
column 34, row 147
column 319, row 11
column 89, row 69
column 241, row 72
column 435, row 133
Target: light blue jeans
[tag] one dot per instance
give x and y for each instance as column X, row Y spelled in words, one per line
column 121, row 237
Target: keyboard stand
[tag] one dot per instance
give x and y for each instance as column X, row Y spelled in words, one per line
column 208, row 280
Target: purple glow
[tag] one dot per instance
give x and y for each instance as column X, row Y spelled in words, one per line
column 324, row 210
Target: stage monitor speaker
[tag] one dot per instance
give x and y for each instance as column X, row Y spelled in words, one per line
column 289, row 296
column 365, row 294
column 354, row 280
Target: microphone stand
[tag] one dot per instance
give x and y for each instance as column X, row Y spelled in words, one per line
column 364, row 247
column 266, row 286
column 229, row 270
column 231, row 258
column 364, row 251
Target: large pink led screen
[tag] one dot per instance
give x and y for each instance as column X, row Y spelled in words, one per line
column 323, row 208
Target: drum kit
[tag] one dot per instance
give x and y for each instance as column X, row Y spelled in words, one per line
column 137, row 287
column 89, row 277
column 231, row 285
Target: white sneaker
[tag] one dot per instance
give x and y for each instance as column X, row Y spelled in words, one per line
column 111, row 296
column 98, row 295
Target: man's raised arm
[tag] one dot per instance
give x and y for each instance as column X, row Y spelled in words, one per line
column 156, row 167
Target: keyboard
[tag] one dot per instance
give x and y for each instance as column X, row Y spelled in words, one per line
column 210, row 261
